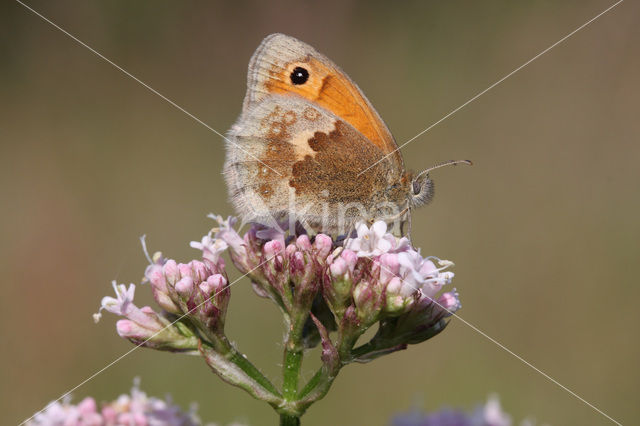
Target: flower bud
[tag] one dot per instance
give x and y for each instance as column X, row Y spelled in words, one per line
column 367, row 296
column 303, row 242
column 213, row 284
column 171, row 272
column 185, row 270
column 322, row 245
column 161, row 294
column 208, row 304
column 297, row 262
column 200, row 271
column 129, row 329
column 154, row 274
column 148, row 329
column 184, row 287
column 272, row 248
column 338, row 268
column 291, row 248
column 350, row 257
column 399, row 297
column 338, row 287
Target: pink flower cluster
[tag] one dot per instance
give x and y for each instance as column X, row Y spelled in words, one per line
column 406, row 276
column 197, row 289
column 320, row 285
column 371, row 277
column 135, row 409
column 374, row 261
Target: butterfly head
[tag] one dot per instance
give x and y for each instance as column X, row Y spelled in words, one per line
column 421, row 190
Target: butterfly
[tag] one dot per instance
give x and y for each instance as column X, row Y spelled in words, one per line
column 309, row 148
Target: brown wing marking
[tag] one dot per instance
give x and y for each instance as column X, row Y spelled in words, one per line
column 332, row 172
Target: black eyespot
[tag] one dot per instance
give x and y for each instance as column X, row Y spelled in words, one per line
column 299, row 75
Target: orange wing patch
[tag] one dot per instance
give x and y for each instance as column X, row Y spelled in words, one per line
column 330, row 89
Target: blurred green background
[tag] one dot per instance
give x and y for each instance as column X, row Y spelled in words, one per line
column 544, row 228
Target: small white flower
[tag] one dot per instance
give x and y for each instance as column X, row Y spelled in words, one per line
column 226, row 233
column 372, row 241
column 118, row 305
column 211, row 247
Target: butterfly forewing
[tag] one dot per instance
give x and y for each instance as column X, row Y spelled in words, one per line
column 298, row 157
column 274, row 64
column 305, row 143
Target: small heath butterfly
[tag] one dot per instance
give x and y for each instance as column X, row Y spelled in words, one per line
column 309, row 148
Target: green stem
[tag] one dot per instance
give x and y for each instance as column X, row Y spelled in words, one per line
column 222, row 345
column 288, row 420
column 317, row 387
column 233, row 374
column 291, row 373
column 251, row 371
column 312, row 383
column 293, row 354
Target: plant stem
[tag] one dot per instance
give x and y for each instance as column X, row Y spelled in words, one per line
column 233, row 374
column 291, row 373
column 312, row 383
column 232, row 354
column 252, row 371
column 288, row 420
column 293, row 354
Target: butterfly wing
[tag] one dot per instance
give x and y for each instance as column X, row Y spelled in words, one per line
column 272, row 69
column 290, row 158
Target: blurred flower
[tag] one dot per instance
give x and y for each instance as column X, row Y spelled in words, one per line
column 135, row 409
column 489, row 414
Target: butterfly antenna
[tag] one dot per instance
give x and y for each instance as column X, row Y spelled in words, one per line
column 443, row 164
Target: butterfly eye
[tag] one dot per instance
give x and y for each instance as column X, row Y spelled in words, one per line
column 416, row 188
column 299, row 75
